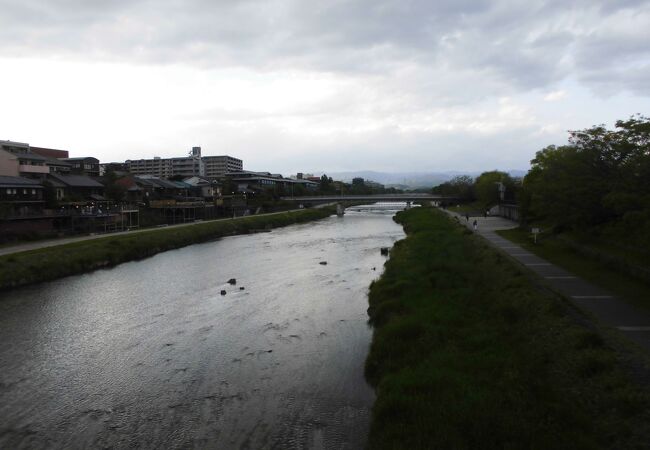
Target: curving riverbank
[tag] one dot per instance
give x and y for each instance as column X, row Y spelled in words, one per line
column 50, row 263
column 468, row 353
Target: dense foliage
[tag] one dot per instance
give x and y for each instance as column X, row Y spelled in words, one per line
column 600, row 178
column 461, row 187
column 358, row 186
column 488, row 189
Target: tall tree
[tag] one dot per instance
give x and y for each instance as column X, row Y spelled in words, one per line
column 600, row 177
column 461, row 187
column 490, row 186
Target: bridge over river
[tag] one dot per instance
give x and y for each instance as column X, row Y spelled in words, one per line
column 409, row 197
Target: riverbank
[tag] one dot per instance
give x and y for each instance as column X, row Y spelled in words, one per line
column 468, row 353
column 50, row 263
column 616, row 269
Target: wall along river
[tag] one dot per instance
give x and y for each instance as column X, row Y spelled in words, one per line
column 150, row 354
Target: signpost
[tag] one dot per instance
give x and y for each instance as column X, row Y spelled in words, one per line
column 535, row 233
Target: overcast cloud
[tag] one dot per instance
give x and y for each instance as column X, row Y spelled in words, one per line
column 289, row 85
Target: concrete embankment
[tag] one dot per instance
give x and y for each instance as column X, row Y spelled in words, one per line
column 54, row 262
column 468, row 353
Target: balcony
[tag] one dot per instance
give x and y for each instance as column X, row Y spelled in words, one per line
column 27, row 168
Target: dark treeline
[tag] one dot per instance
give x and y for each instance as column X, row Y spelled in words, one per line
column 358, row 186
column 601, row 178
column 598, row 183
column 485, row 189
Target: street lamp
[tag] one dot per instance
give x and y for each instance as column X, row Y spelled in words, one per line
column 502, row 190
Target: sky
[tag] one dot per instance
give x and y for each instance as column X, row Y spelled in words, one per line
column 314, row 86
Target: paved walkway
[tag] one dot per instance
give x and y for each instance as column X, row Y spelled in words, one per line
column 610, row 310
column 23, row 247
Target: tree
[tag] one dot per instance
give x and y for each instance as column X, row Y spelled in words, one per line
column 113, row 190
column 326, row 184
column 562, row 186
column 489, row 187
column 600, row 177
column 461, row 187
column 49, row 195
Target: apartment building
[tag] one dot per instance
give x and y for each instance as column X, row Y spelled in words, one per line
column 193, row 165
column 159, row 167
column 218, row 166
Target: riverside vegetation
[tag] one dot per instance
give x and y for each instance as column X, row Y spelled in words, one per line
column 591, row 199
column 468, row 353
column 56, row 262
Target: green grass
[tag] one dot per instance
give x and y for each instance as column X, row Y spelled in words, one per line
column 467, row 354
column 554, row 250
column 474, row 208
column 55, row 262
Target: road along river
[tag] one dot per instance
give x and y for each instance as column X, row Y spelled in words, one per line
column 150, row 354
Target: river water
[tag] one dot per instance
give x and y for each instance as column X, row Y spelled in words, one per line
column 150, row 354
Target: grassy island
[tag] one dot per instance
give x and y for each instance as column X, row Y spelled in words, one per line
column 469, row 353
column 56, row 262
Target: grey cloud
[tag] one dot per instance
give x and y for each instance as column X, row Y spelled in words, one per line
column 516, row 46
column 607, row 82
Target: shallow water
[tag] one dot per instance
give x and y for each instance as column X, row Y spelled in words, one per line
column 150, row 354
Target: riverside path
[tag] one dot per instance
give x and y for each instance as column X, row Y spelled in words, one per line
column 26, row 246
column 608, row 308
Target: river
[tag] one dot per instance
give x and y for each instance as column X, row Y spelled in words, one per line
column 150, row 354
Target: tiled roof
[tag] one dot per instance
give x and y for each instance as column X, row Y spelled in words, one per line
column 145, row 181
column 76, row 180
column 19, row 182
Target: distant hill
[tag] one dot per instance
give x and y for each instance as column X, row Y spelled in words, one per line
column 409, row 180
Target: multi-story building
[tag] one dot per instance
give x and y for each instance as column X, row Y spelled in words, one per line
column 17, row 160
column 86, row 165
column 218, row 166
column 21, row 159
column 159, row 167
column 19, row 196
column 246, row 180
column 193, row 165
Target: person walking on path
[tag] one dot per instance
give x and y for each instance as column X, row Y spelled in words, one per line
column 467, row 216
column 475, row 225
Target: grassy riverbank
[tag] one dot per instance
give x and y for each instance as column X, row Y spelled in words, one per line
column 56, row 262
column 467, row 353
column 611, row 268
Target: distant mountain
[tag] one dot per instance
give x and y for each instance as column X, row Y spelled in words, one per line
column 410, row 180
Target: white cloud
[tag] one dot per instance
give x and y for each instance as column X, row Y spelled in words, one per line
column 555, row 96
